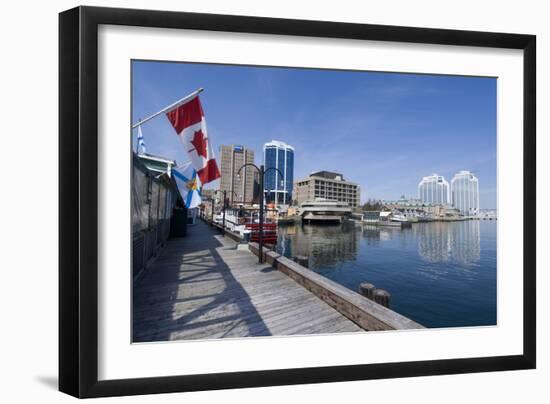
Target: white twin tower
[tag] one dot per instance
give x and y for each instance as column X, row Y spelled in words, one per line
column 463, row 193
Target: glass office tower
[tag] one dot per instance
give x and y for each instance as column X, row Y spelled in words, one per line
column 434, row 189
column 278, row 189
column 465, row 193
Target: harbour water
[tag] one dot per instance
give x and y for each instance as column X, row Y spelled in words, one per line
column 440, row 274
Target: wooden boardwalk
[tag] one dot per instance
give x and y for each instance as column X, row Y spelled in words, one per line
column 202, row 286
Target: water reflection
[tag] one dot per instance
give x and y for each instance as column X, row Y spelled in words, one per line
column 433, row 241
column 325, row 245
column 465, row 242
column 373, row 235
column 438, row 242
column 439, row 274
column 441, row 242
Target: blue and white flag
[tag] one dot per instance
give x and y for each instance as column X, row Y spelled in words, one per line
column 189, row 185
column 140, row 142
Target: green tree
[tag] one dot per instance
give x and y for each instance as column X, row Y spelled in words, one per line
column 373, row 204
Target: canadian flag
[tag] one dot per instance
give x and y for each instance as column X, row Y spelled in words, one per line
column 190, row 125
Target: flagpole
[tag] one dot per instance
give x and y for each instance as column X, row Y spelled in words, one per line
column 169, row 107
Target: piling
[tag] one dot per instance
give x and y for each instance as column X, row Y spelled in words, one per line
column 303, row 260
column 382, row 297
column 367, row 290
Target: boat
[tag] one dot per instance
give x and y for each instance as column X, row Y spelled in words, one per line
column 398, row 217
column 321, row 210
column 246, row 222
column 393, row 219
column 235, row 221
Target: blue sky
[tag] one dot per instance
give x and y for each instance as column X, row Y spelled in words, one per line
column 384, row 131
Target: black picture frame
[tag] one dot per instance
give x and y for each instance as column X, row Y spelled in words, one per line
column 78, row 201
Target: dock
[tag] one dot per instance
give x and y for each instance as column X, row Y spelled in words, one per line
column 203, row 286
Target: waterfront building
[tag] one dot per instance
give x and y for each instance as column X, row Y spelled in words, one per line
column 157, row 164
column 371, row 216
column 465, row 193
column 416, row 208
column 434, row 189
column 278, row 155
column 240, row 188
column 324, row 210
column 328, row 185
column 410, row 207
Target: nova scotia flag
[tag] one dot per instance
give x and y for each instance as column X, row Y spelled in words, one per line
column 189, row 185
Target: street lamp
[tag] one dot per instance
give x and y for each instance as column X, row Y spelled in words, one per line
column 262, row 173
column 212, row 207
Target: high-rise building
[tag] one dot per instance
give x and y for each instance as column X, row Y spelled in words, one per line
column 328, row 185
column 434, row 189
column 240, row 188
column 465, row 193
column 278, row 155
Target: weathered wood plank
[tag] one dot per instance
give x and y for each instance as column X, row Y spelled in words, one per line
column 202, row 286
column 362, row 311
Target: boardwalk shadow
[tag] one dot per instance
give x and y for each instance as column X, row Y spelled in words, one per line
column 191, row 293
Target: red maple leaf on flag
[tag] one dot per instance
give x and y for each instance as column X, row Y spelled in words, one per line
column 200, row 142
